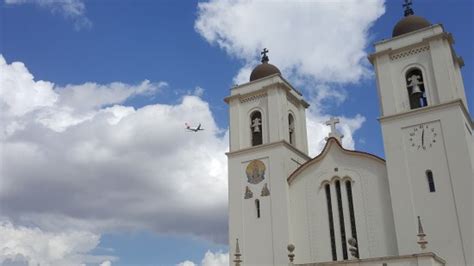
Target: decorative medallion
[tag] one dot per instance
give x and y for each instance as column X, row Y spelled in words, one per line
column 248, row 193
column 255, row 172
column 265, row 191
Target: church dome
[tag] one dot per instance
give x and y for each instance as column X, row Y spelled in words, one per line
column 408, row 24
column 264, row 69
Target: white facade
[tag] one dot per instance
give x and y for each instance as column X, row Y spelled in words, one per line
column 432, row 140
column 278, row 195
column 263, row 230
column 370, row 196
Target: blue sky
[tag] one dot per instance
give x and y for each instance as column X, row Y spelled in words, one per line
column 163, row 69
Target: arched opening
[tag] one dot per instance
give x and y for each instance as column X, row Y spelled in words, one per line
column 257, row 206
column 256, row 128
column 291, row 129
column 331, row 222
column 431, row 184
column 416, row 88
column 351, row 214
column 341, row 220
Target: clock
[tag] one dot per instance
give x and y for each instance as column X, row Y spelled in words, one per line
column 423, row 136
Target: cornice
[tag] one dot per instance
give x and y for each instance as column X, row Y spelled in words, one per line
column 445, row 35
column 281, row 84
column 378, row 259
column 429, row 108
column 266, row 147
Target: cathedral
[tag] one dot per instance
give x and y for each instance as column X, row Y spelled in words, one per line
column 415, row 207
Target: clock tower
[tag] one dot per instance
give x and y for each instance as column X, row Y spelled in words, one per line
column 428, row 141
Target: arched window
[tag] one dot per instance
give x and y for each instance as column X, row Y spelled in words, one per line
column 257, row 206
column 416, row 88
column 291, row 128
column 431, row 184
column 331, row 222
column 351, row 213
column 256, row 128
column 341, row 220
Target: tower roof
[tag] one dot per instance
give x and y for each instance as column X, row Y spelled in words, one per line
column 410, row 22
column 264, row 69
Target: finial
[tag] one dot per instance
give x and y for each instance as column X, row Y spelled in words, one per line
column 421, row 235
column 332, row 122
column 408, row 9
column 264, row 55
column 237, row 254
column 291, row 256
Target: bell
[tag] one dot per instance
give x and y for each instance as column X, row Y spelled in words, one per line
column 416, row 90
column 256, row 129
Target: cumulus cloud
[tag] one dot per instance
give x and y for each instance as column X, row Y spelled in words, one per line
column 210, row 259
column 319, row 40
column 318, row 45
column 106, row 263
column 73, row 10
column 101, row 165
column 318, row 130
column 32, row 246
column 317, row 115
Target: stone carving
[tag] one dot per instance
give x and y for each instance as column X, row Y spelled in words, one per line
column 255, row 172
column 411, row 52
column 248, row 193
column 265, row 191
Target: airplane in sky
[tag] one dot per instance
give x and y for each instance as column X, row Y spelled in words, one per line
column 195, row 129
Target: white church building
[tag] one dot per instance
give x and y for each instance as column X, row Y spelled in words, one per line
column 352, row 207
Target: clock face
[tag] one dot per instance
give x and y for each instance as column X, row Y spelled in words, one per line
column 422, row 137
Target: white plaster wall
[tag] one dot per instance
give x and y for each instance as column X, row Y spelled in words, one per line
column 274, row 97
column 372, row 207
column 430, row 50
column 263, row 240
column 447, row 214
column 421, row 259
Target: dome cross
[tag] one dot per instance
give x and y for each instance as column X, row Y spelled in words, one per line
column 408, row 9
column 264, row 55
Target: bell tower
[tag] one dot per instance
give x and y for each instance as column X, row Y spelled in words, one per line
column 428, row 141
column 267, row 142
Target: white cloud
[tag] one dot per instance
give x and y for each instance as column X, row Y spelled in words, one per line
column 210, row 259
column 318, row 130
column 32, row 246
column 90, row 96
column 318, row 45
column 96, row 167
column 317, row 115
column 106, row 263
column 319, row 40
column 186, row 263
column 70, row 9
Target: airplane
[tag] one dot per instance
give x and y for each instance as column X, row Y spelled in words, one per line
column 196, row 129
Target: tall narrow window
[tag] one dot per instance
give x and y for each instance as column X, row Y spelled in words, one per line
column 331, row 222
column 257, row 206
column 256, row 128
column 431, row 184
column 341, row 220
column 416, row 88
column 351, row 212
column 291, row 129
